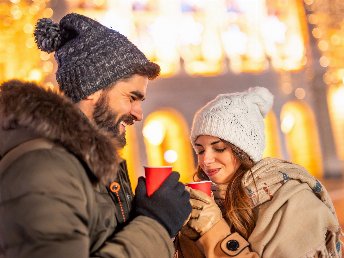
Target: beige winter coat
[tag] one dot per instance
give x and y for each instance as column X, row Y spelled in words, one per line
column 295, row 218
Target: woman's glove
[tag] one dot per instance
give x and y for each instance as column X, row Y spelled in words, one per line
column 204, row 215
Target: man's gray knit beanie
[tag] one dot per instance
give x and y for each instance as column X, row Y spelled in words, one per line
column 89, row 55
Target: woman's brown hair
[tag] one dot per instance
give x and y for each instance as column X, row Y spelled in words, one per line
column 238, row 207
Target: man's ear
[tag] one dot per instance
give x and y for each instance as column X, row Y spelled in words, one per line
column 87, row 104
column 93, row 98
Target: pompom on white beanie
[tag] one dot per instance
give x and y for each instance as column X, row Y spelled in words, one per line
column 237, row 118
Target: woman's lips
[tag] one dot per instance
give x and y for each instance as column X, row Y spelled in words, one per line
column 212, row 172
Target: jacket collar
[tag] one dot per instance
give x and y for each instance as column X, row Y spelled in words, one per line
column 28, row 111
column 14, row 137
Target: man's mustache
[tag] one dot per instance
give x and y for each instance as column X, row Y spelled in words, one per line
column 128, row 119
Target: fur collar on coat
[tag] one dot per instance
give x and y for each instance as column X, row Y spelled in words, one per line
column 54, row 117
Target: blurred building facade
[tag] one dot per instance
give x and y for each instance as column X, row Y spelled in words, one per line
column 294, row 48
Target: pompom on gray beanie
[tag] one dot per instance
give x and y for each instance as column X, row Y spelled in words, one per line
column 89, row 55
column 237, row 118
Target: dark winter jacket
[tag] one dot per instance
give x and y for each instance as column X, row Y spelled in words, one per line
column 55, row 172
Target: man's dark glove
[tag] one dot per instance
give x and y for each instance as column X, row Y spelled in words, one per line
column 169, row 205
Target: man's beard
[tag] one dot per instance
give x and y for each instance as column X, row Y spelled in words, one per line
column 106, row 119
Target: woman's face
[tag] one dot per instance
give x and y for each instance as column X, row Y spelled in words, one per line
column 216, row 159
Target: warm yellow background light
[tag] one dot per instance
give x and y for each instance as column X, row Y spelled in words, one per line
column 302, row 139
column 336, row 110
column 175, row 148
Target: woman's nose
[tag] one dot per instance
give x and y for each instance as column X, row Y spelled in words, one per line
column 208, row 158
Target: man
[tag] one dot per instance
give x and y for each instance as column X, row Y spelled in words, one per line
column 63, row 190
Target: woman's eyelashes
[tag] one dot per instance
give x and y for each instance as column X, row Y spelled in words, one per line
column 200, row 152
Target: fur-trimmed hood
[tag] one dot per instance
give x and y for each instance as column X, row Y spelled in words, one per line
column 52, row 116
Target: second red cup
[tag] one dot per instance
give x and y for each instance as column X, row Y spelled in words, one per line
column 204, row 186
column 155, row 176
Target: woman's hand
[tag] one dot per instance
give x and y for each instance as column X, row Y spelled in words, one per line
column 204, row 215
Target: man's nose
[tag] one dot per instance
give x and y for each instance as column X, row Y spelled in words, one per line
column 136, row 111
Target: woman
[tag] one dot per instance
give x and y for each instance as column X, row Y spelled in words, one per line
column 261, row 207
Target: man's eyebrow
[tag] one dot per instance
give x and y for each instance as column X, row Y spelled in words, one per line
column 138, row 95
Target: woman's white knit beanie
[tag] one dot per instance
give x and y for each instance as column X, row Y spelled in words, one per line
column 237, row 118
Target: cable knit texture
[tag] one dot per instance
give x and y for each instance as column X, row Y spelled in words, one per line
column 90, row 56
column 237, row 118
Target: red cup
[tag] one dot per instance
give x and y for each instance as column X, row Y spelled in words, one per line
column 155, row 176
column 204, row 186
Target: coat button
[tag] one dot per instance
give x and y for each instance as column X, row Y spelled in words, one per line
column 114, row 187
column 232, row 245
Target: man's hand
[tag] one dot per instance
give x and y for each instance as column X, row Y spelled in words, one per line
column 204, row 215
column 169, row 205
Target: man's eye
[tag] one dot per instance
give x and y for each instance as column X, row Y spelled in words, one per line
column 132, row 98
